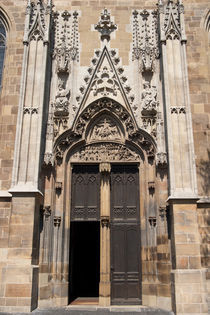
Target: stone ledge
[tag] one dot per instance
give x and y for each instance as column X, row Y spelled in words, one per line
column 88, row 310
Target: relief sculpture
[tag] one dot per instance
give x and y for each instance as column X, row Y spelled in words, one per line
column 149, row 100
column 105, row 130
column 104, row 152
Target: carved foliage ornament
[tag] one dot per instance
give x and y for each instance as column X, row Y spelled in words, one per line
column 145, row 39
column 105, row 26
column 66, row 39
column 66, row 49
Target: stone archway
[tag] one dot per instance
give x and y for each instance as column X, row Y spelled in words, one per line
column 106, row 135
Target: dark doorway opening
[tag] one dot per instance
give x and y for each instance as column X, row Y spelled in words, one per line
column 84, row 275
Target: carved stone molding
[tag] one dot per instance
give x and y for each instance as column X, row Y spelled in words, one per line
column 110, row 105
column 171, row 28
column 57, row 221
column 36, row 28
column 60, row 123
column 178, row 110
column 106, row 152
column 141, row 138
column 145, row 39
column 105, row 26
column 30, row 110
column 105, row 221
column 149, row 124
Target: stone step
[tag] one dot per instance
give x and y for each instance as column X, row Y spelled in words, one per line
column 92, row 310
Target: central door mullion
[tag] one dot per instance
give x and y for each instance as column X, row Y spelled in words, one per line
column 105, row 287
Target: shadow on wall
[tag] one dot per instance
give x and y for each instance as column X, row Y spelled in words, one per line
column 204, row 172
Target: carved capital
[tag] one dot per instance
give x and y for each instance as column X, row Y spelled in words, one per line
column 151, row 187
column 104, row 167
column 105, row 221
column 57, row 221
column 162, row 212
column 58, row 187
column 47, row 212
column 152, row 221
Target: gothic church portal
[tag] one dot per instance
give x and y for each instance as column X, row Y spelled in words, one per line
column 105, row 189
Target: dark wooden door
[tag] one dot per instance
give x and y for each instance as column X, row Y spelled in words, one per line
column 125, row 235
column 85, row 205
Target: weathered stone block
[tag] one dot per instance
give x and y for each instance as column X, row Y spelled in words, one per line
column 18, row 290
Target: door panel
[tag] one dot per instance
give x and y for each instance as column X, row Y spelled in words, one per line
column 85, row 193
column 125, row 236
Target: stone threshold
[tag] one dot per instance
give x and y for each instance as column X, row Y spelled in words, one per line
column 93, row 309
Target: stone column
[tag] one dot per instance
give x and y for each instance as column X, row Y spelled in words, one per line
column 104, row 286
column 188, row 284
column 21, row 273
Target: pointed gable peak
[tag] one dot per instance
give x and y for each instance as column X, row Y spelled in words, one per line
column 106, row 79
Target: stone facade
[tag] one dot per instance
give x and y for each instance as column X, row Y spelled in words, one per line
column 105, row 82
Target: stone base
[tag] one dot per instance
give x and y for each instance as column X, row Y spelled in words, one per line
column 189, row 286
column 90, row 310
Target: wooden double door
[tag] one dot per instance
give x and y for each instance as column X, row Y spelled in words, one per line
column 124, row 223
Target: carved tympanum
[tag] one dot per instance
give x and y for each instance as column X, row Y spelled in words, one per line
column 104, row 130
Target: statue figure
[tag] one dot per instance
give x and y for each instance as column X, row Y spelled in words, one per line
column 62, row 99
column 149, row 100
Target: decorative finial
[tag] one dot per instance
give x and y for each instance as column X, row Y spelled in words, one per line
column 105, row 26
